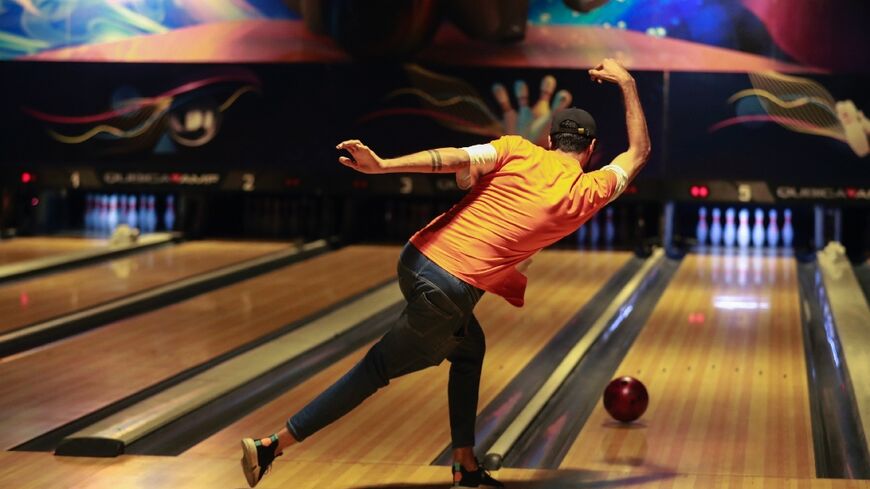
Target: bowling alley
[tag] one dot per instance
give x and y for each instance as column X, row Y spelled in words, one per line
column 421, row 244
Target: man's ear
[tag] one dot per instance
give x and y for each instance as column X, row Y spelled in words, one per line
column 549, row 142
column 593, row 145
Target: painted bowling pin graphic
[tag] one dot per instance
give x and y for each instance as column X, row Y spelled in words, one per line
column 758, row 229
column 716, row 228
column 772, row 229
column 743, row 235
column 730, row 234
column 787, row 230
column 701, row 229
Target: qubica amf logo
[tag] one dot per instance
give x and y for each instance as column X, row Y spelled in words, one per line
column 823, row 193
column 175, row 178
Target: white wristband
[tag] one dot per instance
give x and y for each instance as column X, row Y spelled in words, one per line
column 621, row 179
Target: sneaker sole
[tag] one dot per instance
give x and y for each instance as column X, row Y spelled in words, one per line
column 249, row 461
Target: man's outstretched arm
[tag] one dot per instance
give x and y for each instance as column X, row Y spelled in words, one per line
column 633, row 159
column 440, row 160
column 469, row 163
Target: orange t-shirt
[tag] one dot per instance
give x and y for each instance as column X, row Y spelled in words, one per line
column 531, row 199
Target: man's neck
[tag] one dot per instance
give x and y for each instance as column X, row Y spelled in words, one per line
column 576, row 156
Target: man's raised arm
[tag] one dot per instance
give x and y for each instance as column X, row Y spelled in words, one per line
column 633, row 159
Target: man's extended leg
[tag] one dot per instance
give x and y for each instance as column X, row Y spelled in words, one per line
column 463, row 388
column 422, row 337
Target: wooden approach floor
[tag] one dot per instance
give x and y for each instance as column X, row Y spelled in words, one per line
column 22, row 249
column 22, row 470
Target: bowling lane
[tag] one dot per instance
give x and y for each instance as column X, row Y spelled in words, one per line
column 45, row 388
column 407, row 423
column 40, row 298
column 722, row 357
column 22, row 249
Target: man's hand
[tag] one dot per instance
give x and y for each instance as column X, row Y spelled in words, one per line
column 611, row 71
column 364, row 159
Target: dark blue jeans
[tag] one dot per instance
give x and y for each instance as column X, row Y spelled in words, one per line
column 436, row 324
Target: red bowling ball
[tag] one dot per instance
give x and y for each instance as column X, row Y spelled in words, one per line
column 625, row 399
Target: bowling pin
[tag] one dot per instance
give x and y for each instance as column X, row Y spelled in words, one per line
column 103, row 214
column 151, row 214
column 89, row 213
column 132, row 215
column 122, row 209
column 758, row 229
column 143, row 213
column 772, row 230
column 730, row 233
column 743, row 234
column 787, row 230
column 609, row 228
column 581, row 236
column 169, row 214
column 701, row 228
column 594, row 231
column 716, row 228
column 112, row 217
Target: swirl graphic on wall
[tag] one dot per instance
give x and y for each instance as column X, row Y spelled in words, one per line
column 800, row 105
column 189, row 115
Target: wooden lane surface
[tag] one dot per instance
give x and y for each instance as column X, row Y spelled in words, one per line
column 23, row 249
column 407, row 422
column 44, row 388
column 31, row 470
column 41, row 298
column 722, row 357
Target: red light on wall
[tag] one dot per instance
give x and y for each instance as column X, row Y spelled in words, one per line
column 34, row 202
column 699, row 191
column 26, row 177
column 360, row 184
column 292, row 182
column 631, row 190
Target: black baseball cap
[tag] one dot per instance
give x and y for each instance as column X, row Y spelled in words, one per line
column 585, row 123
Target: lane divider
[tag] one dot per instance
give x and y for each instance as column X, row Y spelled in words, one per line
column 617, row 311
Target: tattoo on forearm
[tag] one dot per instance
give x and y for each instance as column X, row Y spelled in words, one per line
column 435, row 159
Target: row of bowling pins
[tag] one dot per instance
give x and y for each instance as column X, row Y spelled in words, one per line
column 740, row 233
column 103, row 213
column 592, row 231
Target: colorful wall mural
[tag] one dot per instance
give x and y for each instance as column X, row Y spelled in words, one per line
column 682, row 35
